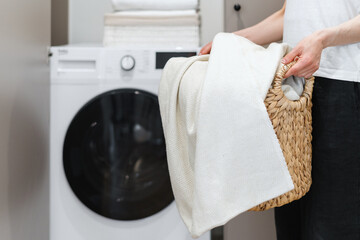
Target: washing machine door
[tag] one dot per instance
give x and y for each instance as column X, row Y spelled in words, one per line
column 114, row 156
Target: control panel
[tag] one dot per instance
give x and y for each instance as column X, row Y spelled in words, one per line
column 128, row 65
column 89, row 64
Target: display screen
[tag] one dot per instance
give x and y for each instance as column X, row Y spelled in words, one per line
column 163, row 57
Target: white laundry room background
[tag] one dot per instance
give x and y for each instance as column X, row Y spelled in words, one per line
column 86, row 25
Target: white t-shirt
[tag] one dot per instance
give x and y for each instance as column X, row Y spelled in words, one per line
column 303, row 17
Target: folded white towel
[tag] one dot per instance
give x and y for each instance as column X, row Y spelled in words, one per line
column 157, row 18
column 154, row 4
column 178, row 28
column 162, row 36
column 223, row 154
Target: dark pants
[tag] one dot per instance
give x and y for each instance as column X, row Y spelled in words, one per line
column 331, row 208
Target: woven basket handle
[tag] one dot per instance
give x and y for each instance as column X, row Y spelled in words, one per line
column 305, row 97
column 279, row 76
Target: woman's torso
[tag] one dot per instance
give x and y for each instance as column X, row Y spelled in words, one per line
column 303, row 17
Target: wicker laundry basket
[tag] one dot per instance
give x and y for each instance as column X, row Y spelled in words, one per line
column 292, row 123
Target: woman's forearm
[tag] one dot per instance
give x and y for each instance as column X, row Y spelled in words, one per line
column 267, row 31
column 345, row 33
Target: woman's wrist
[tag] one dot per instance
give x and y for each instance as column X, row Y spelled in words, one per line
column 325, row 37
column 242, row 33
column 252, row 33
column 345, row 33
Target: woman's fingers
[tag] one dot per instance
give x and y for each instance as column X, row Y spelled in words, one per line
column 295, row 69
column 206, row 49
column 290, row 56
column 303, row 68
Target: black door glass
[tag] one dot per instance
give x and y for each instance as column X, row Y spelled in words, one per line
column 114, row 156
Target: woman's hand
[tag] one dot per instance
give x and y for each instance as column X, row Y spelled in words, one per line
column 206, row 49
column 309, row 52
column 310, row 48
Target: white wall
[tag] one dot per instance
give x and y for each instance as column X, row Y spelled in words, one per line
column 86, row 19
column 212, row 19
column 59, row 22
column 24, row 109
column 251, row 12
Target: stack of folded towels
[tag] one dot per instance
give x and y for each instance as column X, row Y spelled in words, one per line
column 165, row 23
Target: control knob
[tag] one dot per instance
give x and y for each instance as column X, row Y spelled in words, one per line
column 127, row 63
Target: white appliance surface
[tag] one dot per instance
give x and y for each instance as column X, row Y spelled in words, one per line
column 78, row 74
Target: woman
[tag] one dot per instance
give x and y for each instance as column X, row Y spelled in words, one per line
column 325, row 35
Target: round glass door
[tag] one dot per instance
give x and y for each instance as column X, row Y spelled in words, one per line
column 114, row 156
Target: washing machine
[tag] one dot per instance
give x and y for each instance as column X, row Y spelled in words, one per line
column 109, row 178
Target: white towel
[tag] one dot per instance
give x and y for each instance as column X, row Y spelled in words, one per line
column 152, row 28
column 293, row 87
column 154, row 4
column 162, row 36
column 223, row 154
column 157, row 18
